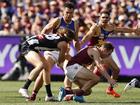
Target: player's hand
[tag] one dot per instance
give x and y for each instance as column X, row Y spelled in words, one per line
column 40, row 36
column 137, row 30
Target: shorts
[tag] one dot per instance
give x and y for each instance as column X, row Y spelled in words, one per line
column 72, row 70
column 53, row 54
column 25, row 49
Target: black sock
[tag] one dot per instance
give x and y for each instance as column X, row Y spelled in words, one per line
column 48, row 90
column 27, row 84
column 69, row 91
column 137, row 84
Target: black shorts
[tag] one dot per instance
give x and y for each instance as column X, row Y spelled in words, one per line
column 25, row 49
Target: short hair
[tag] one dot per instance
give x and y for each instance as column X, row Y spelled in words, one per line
column 108, row 46
column 69, row 5
column 105, row 12
column 67, row 32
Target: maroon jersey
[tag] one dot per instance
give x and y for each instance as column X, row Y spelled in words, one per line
column 99, row 40
column 81, row 58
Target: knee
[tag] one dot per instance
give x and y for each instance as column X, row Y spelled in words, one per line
column 40, row 66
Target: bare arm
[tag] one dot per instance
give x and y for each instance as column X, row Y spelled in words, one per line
column 76, row 41
column 50, row 26
column 63, row 46
column 89, row 34
column 125, row 30
column 102, row 69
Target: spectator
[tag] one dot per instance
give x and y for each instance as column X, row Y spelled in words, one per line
column 6, row 30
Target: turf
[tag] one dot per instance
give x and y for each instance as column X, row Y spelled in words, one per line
column 9, row 95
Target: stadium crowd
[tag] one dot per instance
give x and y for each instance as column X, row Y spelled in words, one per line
column 28, row 17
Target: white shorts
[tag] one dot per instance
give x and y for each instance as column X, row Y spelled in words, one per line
column 53, row 54
column 72, row 70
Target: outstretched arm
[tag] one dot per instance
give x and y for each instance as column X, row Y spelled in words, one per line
column 76, row 41
column 126, row 30
column 89, row 34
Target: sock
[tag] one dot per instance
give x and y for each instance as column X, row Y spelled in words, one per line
column 33, row 96
column 48, row 90
column 137, row 84
column 69, row 91
column 110, row 88
column 27, row 84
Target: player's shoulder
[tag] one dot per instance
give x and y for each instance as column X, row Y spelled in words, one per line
column 93, row 51
column 57, row 19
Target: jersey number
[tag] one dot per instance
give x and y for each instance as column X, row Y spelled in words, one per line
column 52, row 37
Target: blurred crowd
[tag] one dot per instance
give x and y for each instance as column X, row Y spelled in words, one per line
column 28, row 17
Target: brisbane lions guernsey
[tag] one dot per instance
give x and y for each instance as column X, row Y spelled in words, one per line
column 81, row 58
column 99, row 40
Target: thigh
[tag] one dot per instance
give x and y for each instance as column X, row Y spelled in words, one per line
column 34, row 58
column 80, row 82
column 85, row 74
column 53, row 55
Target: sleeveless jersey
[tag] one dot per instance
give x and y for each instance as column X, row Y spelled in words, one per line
column 48, row 42
column 70, row 25
column 99, row 40
column 81, row 58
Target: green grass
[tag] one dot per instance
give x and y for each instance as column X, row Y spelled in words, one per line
column 9, row 95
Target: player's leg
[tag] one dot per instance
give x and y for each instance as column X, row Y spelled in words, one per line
column 78, row 73
column 37, row 85
column 134, row 83
column 52, row 58
column 47, row 79
column 36, row 60
column 44, row 77
column 85, row 80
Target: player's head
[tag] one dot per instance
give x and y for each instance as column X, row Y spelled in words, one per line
column 68, row 10
column 104, row 16
column 69, row 34
column 106, row 49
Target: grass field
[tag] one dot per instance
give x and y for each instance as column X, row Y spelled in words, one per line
column 10, row 96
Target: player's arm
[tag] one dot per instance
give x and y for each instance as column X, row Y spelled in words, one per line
column 125, row 30
column 114, row 67
column 76, row 40
column 50, row 26
column 89, row 34
column 102, row 70
column 63, row 46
